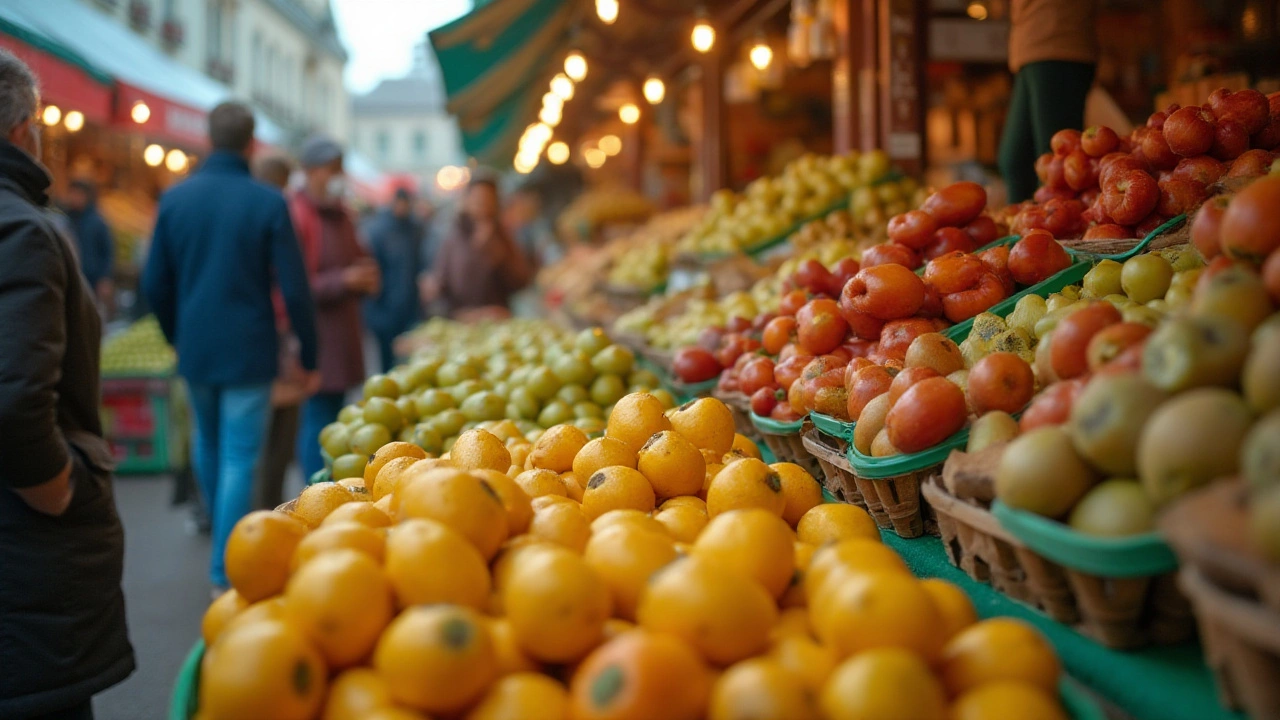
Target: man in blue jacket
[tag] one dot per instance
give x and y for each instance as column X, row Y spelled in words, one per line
column 395, row 241
column 222, row 241
column 93, row 237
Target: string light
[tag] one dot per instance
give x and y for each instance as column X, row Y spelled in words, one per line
column 451, row 177
column 558, row 153
column 761, row 55
column 540, row 133
column 153, row 155
column 607, row 11
column 611, row 145
column 140, row 113
column 73, row 121
column 51, row 115
column 595, row 157
column 629, row 113
column 703, row 36
column 550, row 115
column 575, row 66
column 654, row 90
column 552, row 100
column 977, row 10
column 176, row 161
column 562, row 86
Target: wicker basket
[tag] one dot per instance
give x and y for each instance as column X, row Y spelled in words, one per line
column 894, row 502
column 1119, row 612
column 1235, row 593
column 740, row 405
column 789, row 447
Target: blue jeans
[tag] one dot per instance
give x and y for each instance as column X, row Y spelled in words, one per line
column 231, row 423
column 319, row 410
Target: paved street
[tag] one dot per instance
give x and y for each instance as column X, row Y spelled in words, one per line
column 166, row 590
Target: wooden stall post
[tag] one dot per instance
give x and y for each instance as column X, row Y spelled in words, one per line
column 903, row 44
column 855, row 100
column 712, row 160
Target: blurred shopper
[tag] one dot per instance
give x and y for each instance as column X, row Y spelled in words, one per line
column 93, row 238
column 1053, row 52
column 222, row 243
column 478, row 267
column 396, row 239
column 289, row 389
column 342, row 275
column 62, row 621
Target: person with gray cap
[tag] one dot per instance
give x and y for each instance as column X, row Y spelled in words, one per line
column 342, row 275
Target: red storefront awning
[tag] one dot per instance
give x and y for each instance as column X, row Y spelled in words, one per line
column 167, row 120
column 62, row 82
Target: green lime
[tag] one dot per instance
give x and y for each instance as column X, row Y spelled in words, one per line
column 382, row 411
column 381, row 386
column 573, row 394
column 607, row 390
column 449, row 422
column 644, row 378
column 555, row 413
column 349, row 413
column 433, row 401
column 484, row 405
column 591, row 341
column 350, row 465
column 587, row 410
column 369, row 438
column 613, row 360
column 427, row 438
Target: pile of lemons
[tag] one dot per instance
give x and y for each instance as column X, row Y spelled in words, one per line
column 660, row 571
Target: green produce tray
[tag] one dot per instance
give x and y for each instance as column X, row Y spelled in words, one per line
column 834, row 427
column 145, row 420
column 776, row 427
column 1136, row 556
column 1072, row 275
column 1168, row 225
column 875, row 468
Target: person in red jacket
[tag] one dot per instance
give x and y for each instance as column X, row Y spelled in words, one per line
column 342, row 275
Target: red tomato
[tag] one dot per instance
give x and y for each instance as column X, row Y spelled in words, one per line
column 1069, row 349
column 1052, row 406
column 866, row 385
column 780, row 331
column 820, row 329
column 1000, row 381
column 927, row 413
column 788, row 371
column 1036, row 257
column 955, row 205
column 791, row 303
column 695, row 364
column 764, row 400
column 755, row 374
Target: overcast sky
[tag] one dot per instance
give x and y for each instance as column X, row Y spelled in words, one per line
column 380, row 34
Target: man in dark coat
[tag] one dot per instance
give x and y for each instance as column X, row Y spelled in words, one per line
column 396, row 241
column 222, row 242
column 62, row 621
column 93, row 237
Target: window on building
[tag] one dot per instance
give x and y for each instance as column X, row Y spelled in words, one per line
column 419, row 145
column 256, row 68
column 322, row 106
column 383, row 142
column 269, row 74
column 213, row 28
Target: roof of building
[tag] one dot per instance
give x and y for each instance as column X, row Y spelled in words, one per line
column 411, row 94
column 320, row 28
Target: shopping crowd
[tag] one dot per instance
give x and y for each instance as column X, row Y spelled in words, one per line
column 264, row 287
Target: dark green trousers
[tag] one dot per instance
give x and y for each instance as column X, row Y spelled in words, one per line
column 1048, row 96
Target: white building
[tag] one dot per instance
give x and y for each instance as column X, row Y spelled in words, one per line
column 282, row 54
column 402, row 124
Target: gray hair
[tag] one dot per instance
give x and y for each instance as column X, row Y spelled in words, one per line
column 19, row 93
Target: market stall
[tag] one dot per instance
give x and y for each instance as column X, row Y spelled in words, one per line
column 837, row 444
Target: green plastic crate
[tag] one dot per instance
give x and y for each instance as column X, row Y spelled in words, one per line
column 145, row 419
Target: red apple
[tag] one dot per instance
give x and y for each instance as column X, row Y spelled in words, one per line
column 1045, row 193
column 890, row 252
column 812, row 276
column 1064, row 142
column 914, row 229
column 863, row 325
column 1088, row 197
column 1064, row 218
column 1178, row 196
column 1251, row 163
column 1054, row 176
column 1115, row 163
column 1042, row 167
column 1189, row 131
column 949, row 239
column 1079, row 171
column 1247, row 107
column 1099, row 140
column 1036, row 257
column 983, row 230
column 695, row 364
column 1157, row 119
column 844, row 269
column 1131, row 197
column 1150, row 223
column 1110, row 231
column 1206, row 228
column 1201, row 168
column 957, row 204
column 1268, row 138
column 1230, row 140
column 1156, row 150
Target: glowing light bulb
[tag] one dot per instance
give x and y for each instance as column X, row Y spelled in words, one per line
column 629, row 113
column 595, row 157
column 611, row 145
column 977, row 10
column 761, row 56
column 575, row 66
column 51, row 115
column 703, row 37
column 140, row 113
column 654, row 90
column 562, row 86
column 558, row 153
column 550, row 116
column 607, row 11
column 73, row 121
column 176, row 161
column 153, row 155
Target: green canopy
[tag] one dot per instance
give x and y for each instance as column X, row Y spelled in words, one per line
column 495, row 63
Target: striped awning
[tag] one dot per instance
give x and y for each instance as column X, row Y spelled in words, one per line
column 495, row 62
